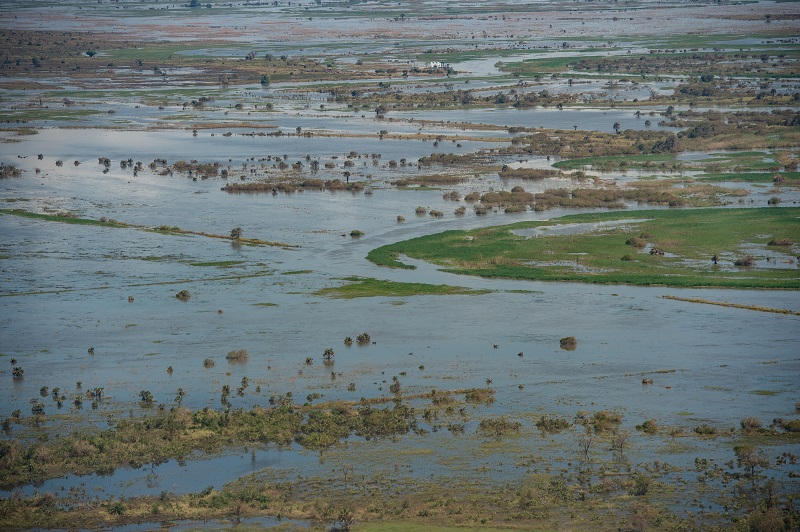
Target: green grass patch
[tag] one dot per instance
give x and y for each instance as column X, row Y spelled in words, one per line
column 688, row 238
column 265, row 304
column 614, row 161
column 750, row 177
column 368, row 287
column 298, row 272
column 405, row 526
column 219, row 264
column 66, row 218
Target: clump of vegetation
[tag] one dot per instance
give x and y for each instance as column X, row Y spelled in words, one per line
column 648, row 427
column 363, row 339
column 17, row 372
column 348, row 341
column 183, row 295
column 355, row 233
column 780, row 242
column 479, row 396
column 328, row 355
column 568, row 343
column 209, row 363
column 750, row 424
column 705, row 430
column 636, row 241
column 237, row 355
column 745, row 262
column 498, row 427
column 552, row 425
column 605, row 421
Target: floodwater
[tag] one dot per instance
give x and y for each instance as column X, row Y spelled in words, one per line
column 65, row 288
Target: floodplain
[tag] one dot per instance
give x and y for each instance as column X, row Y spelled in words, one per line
column 385, row 266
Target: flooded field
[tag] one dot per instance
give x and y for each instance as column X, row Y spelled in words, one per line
column 183, row 266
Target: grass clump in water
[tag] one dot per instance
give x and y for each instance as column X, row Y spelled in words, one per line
column 369, row 287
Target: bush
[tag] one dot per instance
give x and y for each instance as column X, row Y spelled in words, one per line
column 480, row 395
column 648, row 427
column 750, row 424
column 640, row 485
column 238, row 355
column 780, row 242
column 183, row 295
column 605, row 420
column 746, row 261
column 568, row 343
column 498, row 427
column 208, row 363
column 552, row 424
column 705, row 430
column 636, row 242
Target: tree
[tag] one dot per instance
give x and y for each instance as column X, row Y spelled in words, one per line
column 194, row 3
column 236, row 233
column 749, row 459
column 616, row 127
column 265, row 79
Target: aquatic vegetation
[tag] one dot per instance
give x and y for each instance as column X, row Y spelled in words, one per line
column 594, row 255
column 568, row 343
column 237, row 355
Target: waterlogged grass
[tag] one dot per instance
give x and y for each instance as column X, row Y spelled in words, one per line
column 63, row 218
column 688, row 238
column 219, row 264
column 368, row 287
column 70, row 218
column 629, row 160
column 751, row 177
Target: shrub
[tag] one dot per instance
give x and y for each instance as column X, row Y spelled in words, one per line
column 480, row 395
column 636, row 242
column 747, row 260
column 348, row 341
column 238, row 355
column 552, row 424
column 183, row 295
column 568, row 343
column 648, row 427
column 17, row 372
column 498, row 427
column 626, row 258
column 604, row 420
column 791, row 426
column 750, row 424
column 774, row 200
column 640, row 485
column 356, row 233
column 208, row 363
column 780, row 242
column 363, row 338
column 705, row 430
column 420, row 210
